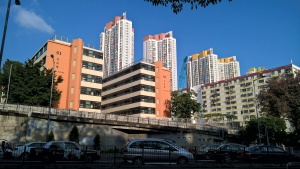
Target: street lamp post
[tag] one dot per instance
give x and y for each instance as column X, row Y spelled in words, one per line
column 256, row 110
column 17, row 2
column 48, row 123
column 8, row 84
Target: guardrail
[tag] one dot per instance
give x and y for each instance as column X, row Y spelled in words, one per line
column 181, row 123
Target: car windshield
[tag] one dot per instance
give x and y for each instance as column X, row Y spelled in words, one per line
column 223, row 147
column 174, row 145
column 253, row 148
column 77, row 144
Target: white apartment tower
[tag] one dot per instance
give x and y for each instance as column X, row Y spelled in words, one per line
column 162, row 47
column 205, row 68
column 117, row 44
column 228, row 68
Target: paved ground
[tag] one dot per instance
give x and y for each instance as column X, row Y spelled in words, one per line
column 146, row 166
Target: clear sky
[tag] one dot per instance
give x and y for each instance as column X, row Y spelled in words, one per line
column 260, row 33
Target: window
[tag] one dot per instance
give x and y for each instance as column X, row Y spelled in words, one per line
column 89, row 104
column 75, row 49
column 72, row 90
column 74, row 62
column 71, row 104
column 73, row 76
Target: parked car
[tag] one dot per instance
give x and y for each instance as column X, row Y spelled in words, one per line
column 265, row 153
column 5, row 149
column 227, row 152
column 138, row 151
column 23, row 151
column 65, row 150
column 201, row 152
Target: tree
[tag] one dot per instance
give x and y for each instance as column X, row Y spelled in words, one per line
column 275, row 128
column 51, row 136
column 183, row 106
column 29, row 85
column 177, row 5
column 74, row 134
column 97, row 142
column 281, row 98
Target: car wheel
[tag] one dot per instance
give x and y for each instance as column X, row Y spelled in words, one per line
column 89, row 159
column 227, row 159
column 137, row 161
column 25, row 156
column 182, row 161
column 207, row 157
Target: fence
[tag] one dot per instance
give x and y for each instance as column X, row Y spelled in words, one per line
column 110, row 154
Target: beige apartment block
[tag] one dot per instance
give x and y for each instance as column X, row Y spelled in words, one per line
column 237, row 97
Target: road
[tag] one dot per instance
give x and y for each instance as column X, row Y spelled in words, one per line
column 109, row 164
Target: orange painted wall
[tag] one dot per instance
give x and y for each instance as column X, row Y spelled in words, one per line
column 61, row 54
column 64, row 55
column 75, row 68
column 162, row 90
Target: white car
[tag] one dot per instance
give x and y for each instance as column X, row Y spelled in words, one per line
column 23, row 152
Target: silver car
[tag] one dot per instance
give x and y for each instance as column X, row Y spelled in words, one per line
column 23, row 152
column 139, row 151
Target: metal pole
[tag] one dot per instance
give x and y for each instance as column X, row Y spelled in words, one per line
column 8, row 84
column 17, row 2
column 256, row 112
column 48, row 123
column 267, row 134
column 4, row 31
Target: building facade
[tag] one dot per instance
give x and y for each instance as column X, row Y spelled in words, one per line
column 81, row 68
column 205, row 68
column 233, row 101
column 162, row 47
column 140, row 90
column 117, row 44
column 228, row 68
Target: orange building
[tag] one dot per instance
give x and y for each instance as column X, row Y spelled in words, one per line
column 142, row 90
column 81, row 69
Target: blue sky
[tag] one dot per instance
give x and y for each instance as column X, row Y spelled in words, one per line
column 260, row 33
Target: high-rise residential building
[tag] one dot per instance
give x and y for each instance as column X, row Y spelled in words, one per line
column 205, row 67
column 202, row 68
column 254, row 70
column 81, row 69
column 117, row 44
column 228, row 68
column 140, row 90
column 162, row 47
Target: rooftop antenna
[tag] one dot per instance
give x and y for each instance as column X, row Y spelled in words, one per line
column 124, row 15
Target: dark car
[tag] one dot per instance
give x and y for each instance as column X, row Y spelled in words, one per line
column 201, row 152
column 227, row 152
column 65, row 150
column 273, row 154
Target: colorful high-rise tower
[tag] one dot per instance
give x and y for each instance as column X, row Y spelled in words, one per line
column 205, row 67
column 117, row 44
column 162, row 47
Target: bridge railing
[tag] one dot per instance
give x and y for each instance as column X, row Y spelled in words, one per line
column 181, row 123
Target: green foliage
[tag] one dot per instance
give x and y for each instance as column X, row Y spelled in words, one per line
column 177, row 5
column 281, row 98
column 276, row 131
column 28, row 84
column 183, row 106
column 97, row 142
column 74, row 134
column 51, row 136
